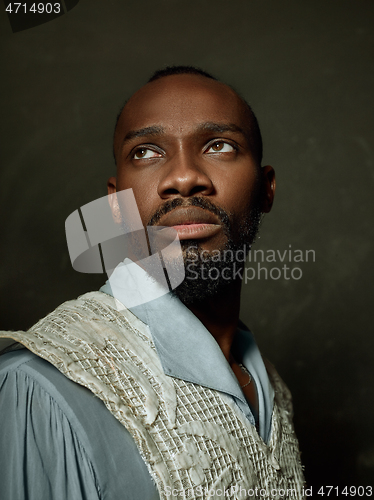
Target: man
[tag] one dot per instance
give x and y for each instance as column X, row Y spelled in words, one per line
column 193, row 412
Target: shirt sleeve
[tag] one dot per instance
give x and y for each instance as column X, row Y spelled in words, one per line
column 41, row 457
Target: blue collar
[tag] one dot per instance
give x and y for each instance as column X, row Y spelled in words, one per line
column 189, row 352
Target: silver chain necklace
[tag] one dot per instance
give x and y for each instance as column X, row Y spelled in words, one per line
column 244, row 369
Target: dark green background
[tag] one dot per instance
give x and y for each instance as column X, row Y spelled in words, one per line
column 307, row 69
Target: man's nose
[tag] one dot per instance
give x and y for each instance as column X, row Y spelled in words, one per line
column 184, row 175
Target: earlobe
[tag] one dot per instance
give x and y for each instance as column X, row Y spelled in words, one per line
column 268, row 188
column 112, row 199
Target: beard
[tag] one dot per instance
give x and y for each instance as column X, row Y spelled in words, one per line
column 208, row 273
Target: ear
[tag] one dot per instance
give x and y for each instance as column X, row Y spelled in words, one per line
column 268, row 188
column 112, row 199
column 112, row 185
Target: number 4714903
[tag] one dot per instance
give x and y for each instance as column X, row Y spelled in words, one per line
column 348, row 491
column 36, row 8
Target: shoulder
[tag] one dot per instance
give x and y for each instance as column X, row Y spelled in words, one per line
column 32, row 384
column 24, row 368
column 88, row 317
column 13, row 361
column 77, row 327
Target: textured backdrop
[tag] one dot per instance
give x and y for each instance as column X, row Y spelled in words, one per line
column 307, row 69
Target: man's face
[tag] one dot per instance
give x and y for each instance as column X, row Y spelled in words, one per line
column 184, row 136
column 181, row 141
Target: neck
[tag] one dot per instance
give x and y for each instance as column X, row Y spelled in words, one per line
column 220, row 315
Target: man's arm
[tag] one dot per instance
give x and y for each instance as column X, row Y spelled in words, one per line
column 41, row 457
column 59, row 442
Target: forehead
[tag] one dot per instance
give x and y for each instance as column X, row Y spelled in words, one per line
column 179, row 103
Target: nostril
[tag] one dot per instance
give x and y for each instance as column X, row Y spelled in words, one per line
column 197, row 189
column 171, row 191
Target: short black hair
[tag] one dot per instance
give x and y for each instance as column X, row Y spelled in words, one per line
column 254, row 133
column 179, row 70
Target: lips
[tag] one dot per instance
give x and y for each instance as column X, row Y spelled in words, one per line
column 191, row 222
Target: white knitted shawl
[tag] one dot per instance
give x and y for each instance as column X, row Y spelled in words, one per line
column 194, row 440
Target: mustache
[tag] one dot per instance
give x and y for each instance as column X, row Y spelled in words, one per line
column 195, row 201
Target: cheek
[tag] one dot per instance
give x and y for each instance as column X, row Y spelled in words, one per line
column 145, row 192
column 238, row 193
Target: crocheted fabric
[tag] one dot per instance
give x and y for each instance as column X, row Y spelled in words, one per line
column 194, row 440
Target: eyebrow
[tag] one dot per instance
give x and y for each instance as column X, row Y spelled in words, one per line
column 142, row 132
column 221, row 127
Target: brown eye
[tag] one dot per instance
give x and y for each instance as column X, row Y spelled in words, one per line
column 140, row 153
column 145, row 153
column 217, row 146
column 220, row 147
